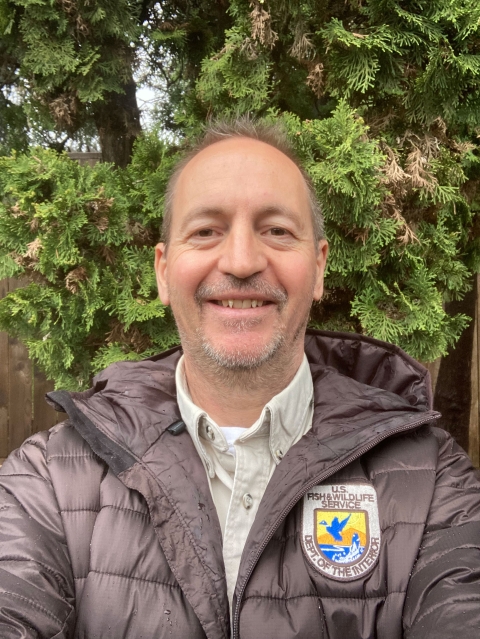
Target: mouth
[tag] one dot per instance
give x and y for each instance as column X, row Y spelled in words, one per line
column 241, row 303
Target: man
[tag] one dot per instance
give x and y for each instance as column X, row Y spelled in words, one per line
column 258, row 483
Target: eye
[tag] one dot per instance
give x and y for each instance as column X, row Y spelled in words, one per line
column 204, row 236
column 278, row 232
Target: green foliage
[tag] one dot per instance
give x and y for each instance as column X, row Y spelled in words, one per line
column 380, row 99
column 65, row 58
column 72, row 64
column 85, row 238
column 13, row 126
column 234, row 73
column 383, row 110
column 397, row 277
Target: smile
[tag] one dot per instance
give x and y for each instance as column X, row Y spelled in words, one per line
column 240, row 303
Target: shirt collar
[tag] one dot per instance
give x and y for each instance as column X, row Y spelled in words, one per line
column 283, row 417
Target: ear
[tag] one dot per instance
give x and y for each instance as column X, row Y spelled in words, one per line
column 161, row 272
column 322, row 253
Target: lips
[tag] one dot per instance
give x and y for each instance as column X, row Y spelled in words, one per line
column 235, row 293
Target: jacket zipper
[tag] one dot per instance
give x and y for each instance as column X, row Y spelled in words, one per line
column 316, row 480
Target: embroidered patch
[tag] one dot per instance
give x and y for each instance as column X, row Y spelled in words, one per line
column 341, row 530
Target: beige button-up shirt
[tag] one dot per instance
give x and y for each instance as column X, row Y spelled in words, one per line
column 237, row 481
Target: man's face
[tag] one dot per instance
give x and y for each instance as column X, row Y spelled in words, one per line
column 242, row 265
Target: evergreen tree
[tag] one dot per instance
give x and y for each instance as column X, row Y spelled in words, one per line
column 380, row 100
column 71, row 65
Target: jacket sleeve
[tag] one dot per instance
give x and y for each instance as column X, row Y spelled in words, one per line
column 36, row 581
column 443, row 597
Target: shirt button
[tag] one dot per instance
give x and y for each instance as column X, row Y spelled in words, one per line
column 247, row 501
column 279, row 453
column 210, row 433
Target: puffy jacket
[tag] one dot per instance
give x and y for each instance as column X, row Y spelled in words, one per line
column 108, row 528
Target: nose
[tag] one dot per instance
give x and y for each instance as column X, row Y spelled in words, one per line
column 243, row 252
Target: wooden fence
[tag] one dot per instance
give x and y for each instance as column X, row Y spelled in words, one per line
column 456, row 379
column 23, row 409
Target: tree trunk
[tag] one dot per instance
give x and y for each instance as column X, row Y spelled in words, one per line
column 118, row 124
column 453, row 392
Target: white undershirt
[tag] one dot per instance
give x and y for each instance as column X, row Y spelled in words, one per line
column 231, row 434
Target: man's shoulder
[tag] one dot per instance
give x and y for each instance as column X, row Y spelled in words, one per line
column 48, row 450
column 428, row 449
column 162, row 364
column 370, row 362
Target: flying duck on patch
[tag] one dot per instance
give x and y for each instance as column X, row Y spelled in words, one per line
column 341, row 530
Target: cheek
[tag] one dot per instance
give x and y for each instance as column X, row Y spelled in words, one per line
column 186, row 272
column 298, row 277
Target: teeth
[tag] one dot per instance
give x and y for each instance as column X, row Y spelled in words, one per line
column 240, row 303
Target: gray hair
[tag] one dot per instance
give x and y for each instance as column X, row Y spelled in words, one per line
column 242, row 127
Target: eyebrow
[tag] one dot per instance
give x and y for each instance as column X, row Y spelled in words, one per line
column 292, row 215
column 207, row 211
column 199, row 211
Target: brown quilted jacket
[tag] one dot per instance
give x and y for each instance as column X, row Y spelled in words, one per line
column 108, row 528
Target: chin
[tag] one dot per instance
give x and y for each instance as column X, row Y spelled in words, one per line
column 242, row 354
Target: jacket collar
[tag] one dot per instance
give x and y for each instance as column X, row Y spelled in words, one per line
column 132, row 403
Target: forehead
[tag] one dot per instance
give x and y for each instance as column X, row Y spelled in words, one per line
column 240, row 172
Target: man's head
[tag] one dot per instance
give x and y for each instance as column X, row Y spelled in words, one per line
column 245, row 254
column 242, row 127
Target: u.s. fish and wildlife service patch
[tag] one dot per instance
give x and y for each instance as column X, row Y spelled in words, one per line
column 341, row 530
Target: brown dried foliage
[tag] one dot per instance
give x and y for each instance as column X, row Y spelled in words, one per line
column 395, row 176
column 78, row 274
column 417, row 168
column 70, row 7
column 406, row 234
column 315, row 78
column 29, row 268
column 16, row 211
column 166, row 26
column 302, row 48
column 249, row 49
column 140, row 232
column 64, row 110
column 262, row 27
column 19, row 259
column 462, row 147
column 99, row 208
column 108, row 254
column 33, row 249
column 416, row 173
column 101, row 223
column 359, row 234
column 399, row 182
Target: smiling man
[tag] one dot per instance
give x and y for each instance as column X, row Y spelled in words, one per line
column 241, row 265
column 261, row 481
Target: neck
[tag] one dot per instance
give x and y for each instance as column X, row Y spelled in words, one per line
column 237, row 398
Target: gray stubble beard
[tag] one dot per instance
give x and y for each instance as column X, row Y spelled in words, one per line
column 232, row 369
column 236, row 369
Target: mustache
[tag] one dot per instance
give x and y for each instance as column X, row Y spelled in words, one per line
column 231, row 285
